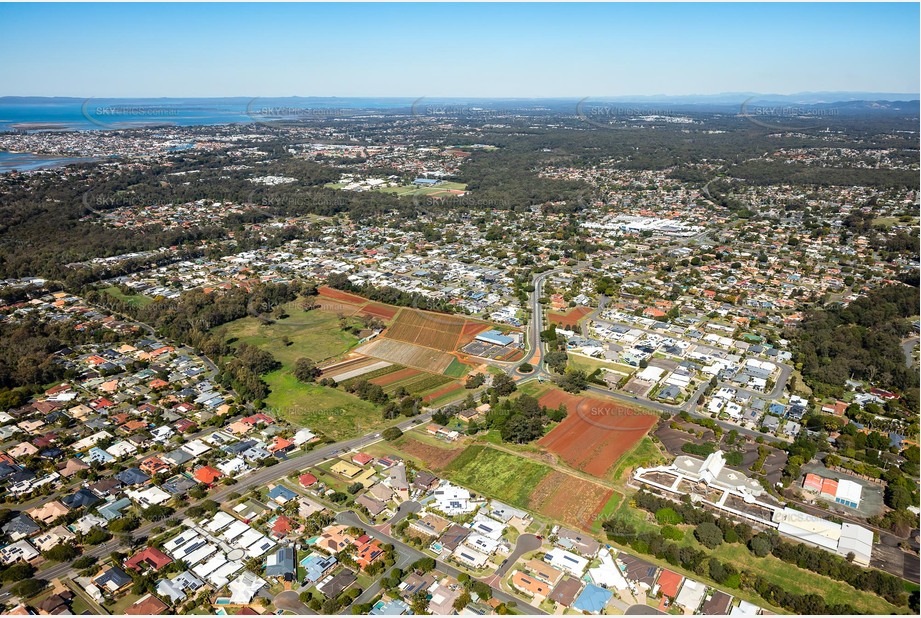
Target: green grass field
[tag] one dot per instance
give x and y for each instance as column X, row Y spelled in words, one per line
column 135, row 300
column 313, row 334
column 504, row 476
column 587, row 364
column 644, row 453
column 456, row 369
column 336, row 413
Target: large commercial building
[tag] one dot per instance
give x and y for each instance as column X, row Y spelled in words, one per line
column 709, row 482
column 839, row 491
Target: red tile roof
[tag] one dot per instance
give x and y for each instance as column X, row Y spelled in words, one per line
column 669, row 582
column 150, row 557
column 207, row 475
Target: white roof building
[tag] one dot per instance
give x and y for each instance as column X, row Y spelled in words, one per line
column 566, row 561
column 691, row 595
column 607, row 574
column 452, row 500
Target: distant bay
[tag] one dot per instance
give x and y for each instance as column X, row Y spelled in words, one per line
column 27, row 161
column 70, row 114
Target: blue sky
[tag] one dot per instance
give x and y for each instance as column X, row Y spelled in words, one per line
column 488, row 50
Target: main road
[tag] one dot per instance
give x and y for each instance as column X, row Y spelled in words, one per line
column 536, row 347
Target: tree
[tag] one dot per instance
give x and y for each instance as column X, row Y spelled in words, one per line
column 573, row 381
column 667, row 515
column 709, row 534
column 424, row 565
column 503, row 384
column 525, row 368
column 97, row 536
column 392, row 433
column 462, row 601
column 29, row 587
column 61, row 553
column 83, row 562
column 17, row 572
column 305, row 370
column 760, row 545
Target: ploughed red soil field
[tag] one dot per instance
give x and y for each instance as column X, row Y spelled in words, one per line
column 334, row 294
column 396, row 376
column 595, row 433
column 571, row 318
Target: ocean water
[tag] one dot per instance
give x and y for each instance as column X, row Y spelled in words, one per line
column 26, row 161
column 50, row 114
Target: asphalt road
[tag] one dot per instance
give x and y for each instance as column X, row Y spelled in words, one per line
column 289, row 600
column 526, row 543
column 351, row 519
column 643, row 610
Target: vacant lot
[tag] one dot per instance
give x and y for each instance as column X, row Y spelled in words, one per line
column 337, row 414
column 444, row 394
column 407, row 354
column 595, row 433
column 432, row 330
column 570, row 318
column 432, row 457
column 312, row 334
column 135, row 300
column 571, row 500
column 339, row 295
column 498, row 474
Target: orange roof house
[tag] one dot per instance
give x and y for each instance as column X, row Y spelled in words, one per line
column 153, row 465
column 148, row 605
column 148, row 558
column 368, row 553
column 280, row 444
column 207, row 475
column 530, row 585
column 669, row 582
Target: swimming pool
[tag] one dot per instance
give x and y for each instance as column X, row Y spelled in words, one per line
column 222, row 601
column 221, row 611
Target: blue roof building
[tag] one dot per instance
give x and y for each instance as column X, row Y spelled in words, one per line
column 281, row 493
column 593, row 599
column 494, row 337
column 317, row 565
column 396, row 607
column 113, row 510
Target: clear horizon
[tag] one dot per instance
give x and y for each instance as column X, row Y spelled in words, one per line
column 513, row 51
